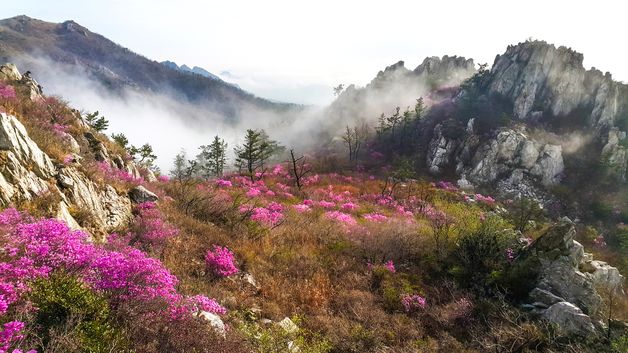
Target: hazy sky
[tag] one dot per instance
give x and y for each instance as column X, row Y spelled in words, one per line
column 296, row 50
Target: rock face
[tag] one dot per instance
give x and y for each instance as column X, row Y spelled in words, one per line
column 27, row 172
column 25, row 169
column 536, row 83
column 616, row 155
column 537, row 75
column 397, row 86
column 566, row 280
column 140, row 194
column 511, row 159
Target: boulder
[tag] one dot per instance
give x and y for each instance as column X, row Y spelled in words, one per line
column 214, row 321
column 9, row 72
column 441, row 150
column 288, row 325
column 603, row 274
column 140, row 194
column 570, row 319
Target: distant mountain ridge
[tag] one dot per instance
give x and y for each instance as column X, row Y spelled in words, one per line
column 25, row 40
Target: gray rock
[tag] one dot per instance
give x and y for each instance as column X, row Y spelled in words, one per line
column 14, row 139
column 214, row 321
column 569, row 318
column 603, row 274
column 9, row 72
column 537, row 74
column 98, row 147
column 615, row 154
column 108, row 209
column 140, row 194
column 288, row 325
column 441, row 150
column 545, row 297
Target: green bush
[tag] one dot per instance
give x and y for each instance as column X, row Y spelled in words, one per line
column 481, row 255
column 276, row 339
column 66, row 306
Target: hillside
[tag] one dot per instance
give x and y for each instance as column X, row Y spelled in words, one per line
column 313, row 255
column 27, row 41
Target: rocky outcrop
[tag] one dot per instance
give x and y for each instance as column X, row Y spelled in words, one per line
column 108, row 210
column 26, row 172
column 397, row 86
column 140, row 194
column 441, row 151
column 566, row 281
column 511, row 150
column 615, row 154
column 510, row 159
column 448, row 70
column 537, row 76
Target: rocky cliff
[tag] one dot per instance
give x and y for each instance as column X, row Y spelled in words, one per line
column 397, row 86
column 28, row 174
column 542, row 99
column 567, row 281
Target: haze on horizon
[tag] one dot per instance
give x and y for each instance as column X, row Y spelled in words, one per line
column 295, row 51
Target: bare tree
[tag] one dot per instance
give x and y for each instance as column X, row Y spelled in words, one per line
column 299, row 168
column 354, row 138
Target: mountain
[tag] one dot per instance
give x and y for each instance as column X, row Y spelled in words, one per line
column 535, row 123
column 397, row 86
column 196, row 70
column 26, row 41
column 129, row 260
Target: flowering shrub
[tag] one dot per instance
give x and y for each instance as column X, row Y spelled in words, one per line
column 115, row 174
column 148, row 226
column 349, row 206
column 302, row 208
column 11, row 333
column 253, row 192
column 390, row 266
column 341, row 217
column 326, row 204
column 7, row 92
column 485, row 199
column 271, row 215
column 221, row 261
column 412, row 302
column 224, row 183
column 33, row 250
column 375, row 217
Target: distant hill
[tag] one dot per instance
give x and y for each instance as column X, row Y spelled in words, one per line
column 26, row 41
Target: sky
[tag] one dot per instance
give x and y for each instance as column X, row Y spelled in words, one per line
column 296, row 50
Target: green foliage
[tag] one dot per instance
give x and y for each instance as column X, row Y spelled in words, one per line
column 143, row 155
column 481, row 254
column 522, row 211
column 64, row 300
column 620, row 344
column 213, row 157
column 121, row 140
column 392, row 286
column 96, row 122
column 601, row 210
column 257, row 149
column 277, row 339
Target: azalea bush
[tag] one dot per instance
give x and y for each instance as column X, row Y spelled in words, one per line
column 35, row 253
column 221, row 261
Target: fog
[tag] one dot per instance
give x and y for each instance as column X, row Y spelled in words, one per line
column 171, row 124
column 168, row 123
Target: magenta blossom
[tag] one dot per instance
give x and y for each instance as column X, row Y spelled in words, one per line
column 221, row 261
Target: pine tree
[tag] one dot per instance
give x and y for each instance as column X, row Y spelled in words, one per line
column 98, row 123
column 253, row 154
column 213, row 158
